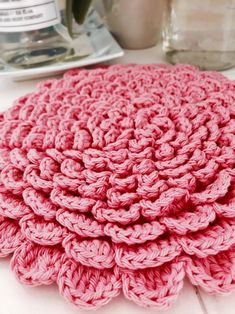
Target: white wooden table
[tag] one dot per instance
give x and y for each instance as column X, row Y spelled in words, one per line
column 18, row 299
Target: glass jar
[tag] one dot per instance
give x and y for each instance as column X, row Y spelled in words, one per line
column 31, row 33
column 136, row 24
column 201, row 33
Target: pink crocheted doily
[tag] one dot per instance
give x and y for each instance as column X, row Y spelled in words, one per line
column 118, row 179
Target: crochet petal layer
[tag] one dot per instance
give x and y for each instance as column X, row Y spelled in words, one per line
column 156, row 287
column 214, row 274
column 36, row 265
column 10, row 237
column 88, row 288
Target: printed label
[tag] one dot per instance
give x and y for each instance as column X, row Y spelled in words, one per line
column 27, row 15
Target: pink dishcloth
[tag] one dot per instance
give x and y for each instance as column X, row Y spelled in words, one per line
column 121, row 178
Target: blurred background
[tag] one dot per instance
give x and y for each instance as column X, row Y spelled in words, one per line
column 42, row 37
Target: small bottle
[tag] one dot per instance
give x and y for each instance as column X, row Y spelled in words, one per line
column 31, row 33
column 201, row 33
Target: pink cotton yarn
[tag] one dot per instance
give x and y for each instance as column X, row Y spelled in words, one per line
column 121, row 178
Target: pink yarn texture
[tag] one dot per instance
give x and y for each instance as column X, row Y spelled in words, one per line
column 121, row 178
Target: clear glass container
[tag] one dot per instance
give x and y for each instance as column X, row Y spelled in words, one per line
column 201, row 33
column 136, row 23
column 32, row 33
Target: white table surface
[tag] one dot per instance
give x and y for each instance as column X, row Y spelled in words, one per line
column 18, row 299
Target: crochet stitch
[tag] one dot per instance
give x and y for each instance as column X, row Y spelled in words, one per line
column 121, row 178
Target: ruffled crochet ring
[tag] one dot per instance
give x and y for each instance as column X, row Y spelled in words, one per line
column 121, row 178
